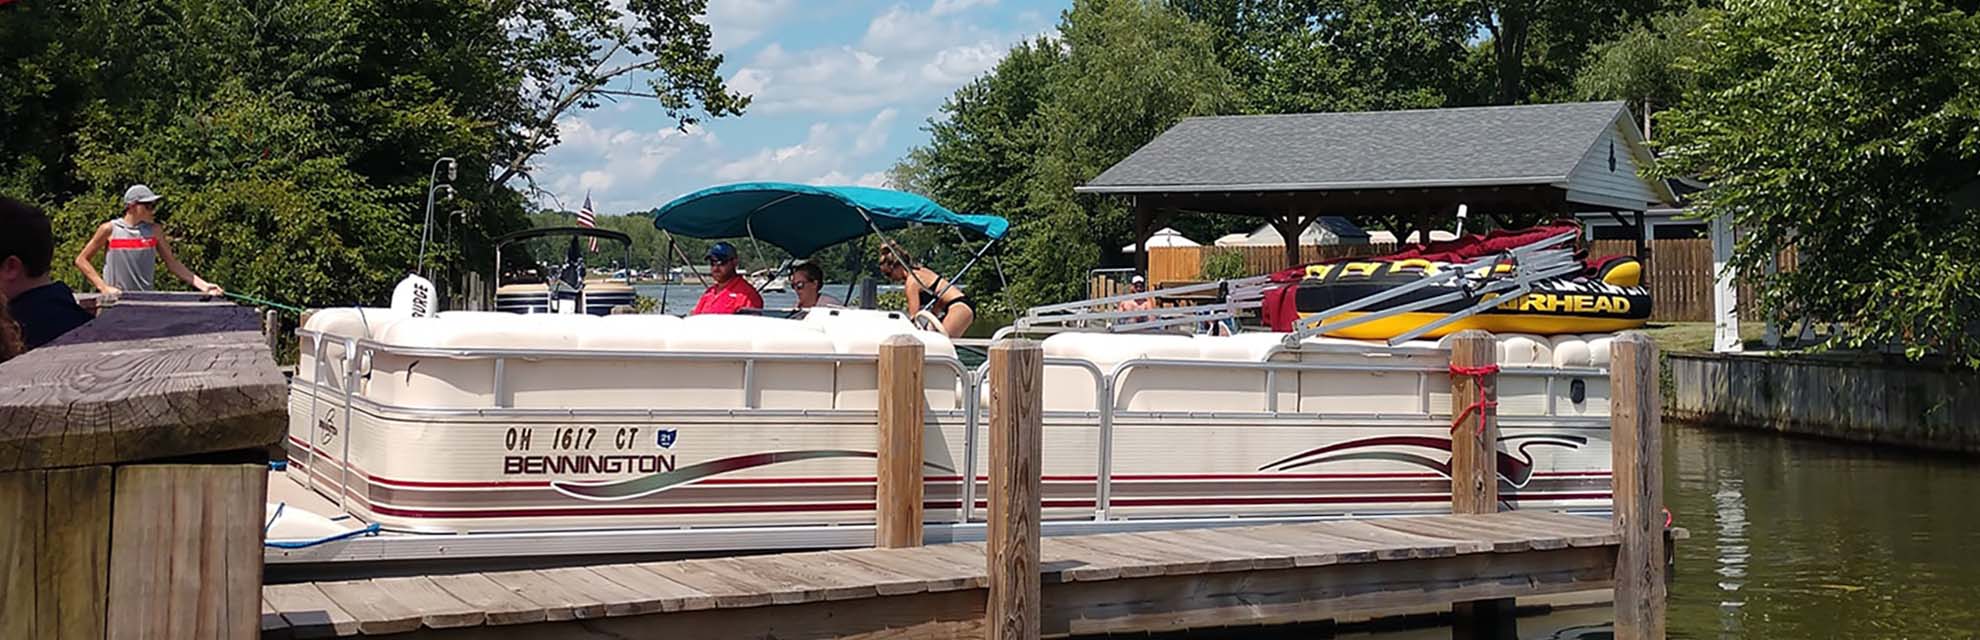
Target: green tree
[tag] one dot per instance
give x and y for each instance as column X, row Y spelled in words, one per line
column 1132, row 69
column 1338, row 55
column 294, row 138
column 1641, row 65
column 1846, row 131
column 1535, row 47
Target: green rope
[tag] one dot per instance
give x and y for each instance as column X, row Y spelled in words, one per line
column 266, row 303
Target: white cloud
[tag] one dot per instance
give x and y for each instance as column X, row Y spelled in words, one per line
column 946, row 7
column 612, row 162
column 734, row 23
column 904, row 55
column 822, row 158
column 956, row 65
column 874, row 135
column 876, row 179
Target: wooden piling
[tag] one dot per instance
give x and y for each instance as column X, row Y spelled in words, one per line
column 898, row 494
column 1474, row 434
column 1017, row 368
column 271, row 329
column 1474, row 468
column 1636, row 441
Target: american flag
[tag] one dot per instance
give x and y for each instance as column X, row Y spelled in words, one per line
column 588, row 219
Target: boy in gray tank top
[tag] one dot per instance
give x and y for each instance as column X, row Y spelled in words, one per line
column 134, row 243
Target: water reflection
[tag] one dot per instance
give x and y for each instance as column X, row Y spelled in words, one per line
column 1813, row 539
column 1797, row 538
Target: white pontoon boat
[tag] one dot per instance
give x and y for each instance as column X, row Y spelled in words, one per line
column 481, row 434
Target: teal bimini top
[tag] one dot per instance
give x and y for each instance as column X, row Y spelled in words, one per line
column 801, row 218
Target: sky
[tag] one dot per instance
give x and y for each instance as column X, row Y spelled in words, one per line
column 842, row 89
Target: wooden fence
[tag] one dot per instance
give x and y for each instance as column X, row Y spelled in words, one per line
column 1679, row 276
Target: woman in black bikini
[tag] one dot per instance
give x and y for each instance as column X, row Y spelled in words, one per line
column 952, row 308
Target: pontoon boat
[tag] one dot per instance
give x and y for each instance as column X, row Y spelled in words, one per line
column 478, row 434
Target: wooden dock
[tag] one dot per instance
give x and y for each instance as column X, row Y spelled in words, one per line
column 133, row 462
column 1126, row 582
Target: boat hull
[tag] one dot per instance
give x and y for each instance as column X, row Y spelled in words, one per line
column 442, row 438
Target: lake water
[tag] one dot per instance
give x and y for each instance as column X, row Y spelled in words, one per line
column 1797, row 538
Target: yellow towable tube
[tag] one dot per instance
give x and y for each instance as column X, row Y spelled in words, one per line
column 1611, row 298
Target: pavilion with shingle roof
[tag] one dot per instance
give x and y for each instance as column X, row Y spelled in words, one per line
column 1294, row 168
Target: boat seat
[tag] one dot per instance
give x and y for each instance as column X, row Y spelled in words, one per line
column 860, row 331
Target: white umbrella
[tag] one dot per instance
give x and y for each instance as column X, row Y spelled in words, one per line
column 1165, row 238
column 1232, row 240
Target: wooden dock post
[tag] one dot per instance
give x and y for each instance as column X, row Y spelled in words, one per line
column 271, row 329
column 1636, row 440
column 1475, row 426
column 1017, row 369
column 157, row 376
column 1475, row 469
column 898, row 492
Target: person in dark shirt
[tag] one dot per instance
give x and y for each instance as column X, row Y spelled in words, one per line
column 44, row 308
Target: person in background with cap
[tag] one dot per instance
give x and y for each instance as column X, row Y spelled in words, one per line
column 731, row 291
column 135, row 242
column 1140, row 285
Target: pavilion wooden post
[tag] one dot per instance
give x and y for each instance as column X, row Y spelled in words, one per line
column 1017, row 369
column 1289, row 227
column 1144, row 226
column 1636, row 439
column 1474, row 468
column 898, row 493
column 183, row 380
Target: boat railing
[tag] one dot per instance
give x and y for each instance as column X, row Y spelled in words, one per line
column 971, row 383
column 1107, row 384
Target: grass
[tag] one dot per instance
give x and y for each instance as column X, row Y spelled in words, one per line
column 1677, row 337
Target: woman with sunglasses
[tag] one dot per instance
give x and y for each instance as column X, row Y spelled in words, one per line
column 809, row 282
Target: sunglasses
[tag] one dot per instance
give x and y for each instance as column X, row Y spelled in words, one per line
column 716, row 261
column 801, row 284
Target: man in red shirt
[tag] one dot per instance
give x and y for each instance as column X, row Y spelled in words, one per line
column 731, row 291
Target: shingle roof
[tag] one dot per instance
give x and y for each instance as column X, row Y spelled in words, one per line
column 1471, row 146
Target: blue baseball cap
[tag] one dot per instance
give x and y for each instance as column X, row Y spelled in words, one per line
column 722, row 251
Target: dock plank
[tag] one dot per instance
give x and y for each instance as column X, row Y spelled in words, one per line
column 811, row 569
column 559, row 602
column 378, row 611
column 715, row 579
column 669, row 595
column 617, row 599
column 1095, row 559
column 309, row 612
column 939, row 568
column 272, row 623
column 1394, row 545
column 498, row 604
column 1459, row 530
column 883, row 582
column 792, row 584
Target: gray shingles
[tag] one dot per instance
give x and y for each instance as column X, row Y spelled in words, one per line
column 1524, row 144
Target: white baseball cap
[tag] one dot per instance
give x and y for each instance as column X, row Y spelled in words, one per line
column 140, row 193
column 1139, row 280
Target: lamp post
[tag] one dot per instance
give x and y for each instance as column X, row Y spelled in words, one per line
column 433, row 188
